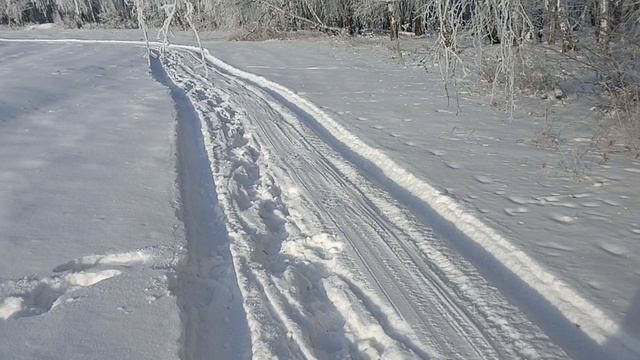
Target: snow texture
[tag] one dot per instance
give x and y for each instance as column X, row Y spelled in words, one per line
column 307, row 233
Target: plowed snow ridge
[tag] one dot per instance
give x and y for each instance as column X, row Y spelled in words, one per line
column 573, row 306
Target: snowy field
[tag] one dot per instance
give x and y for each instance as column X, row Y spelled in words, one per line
column 298, row 199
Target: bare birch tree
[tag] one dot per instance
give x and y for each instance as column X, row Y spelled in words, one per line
column 605, row 24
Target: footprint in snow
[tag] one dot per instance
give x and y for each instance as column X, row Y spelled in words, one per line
column 34, row 297
column 44, row 294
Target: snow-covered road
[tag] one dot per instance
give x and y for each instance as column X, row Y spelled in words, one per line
column 326, row 254
column 304, row 242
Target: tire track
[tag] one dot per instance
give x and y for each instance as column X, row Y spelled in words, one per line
column 294, row 282
column 384, row 246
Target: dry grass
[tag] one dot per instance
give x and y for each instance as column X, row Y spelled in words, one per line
column 624, row 108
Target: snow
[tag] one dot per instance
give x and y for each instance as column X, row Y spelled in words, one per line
column 10, row 306
column 413, row 299
column 88, row 230
column 302, row 199
column 207, row 291
column 85, row 262
column 572, row 305
column 456, row 153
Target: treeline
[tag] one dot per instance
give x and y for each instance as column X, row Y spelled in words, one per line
column 496, row 18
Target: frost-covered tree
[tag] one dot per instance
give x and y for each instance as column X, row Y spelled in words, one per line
column 353, row 16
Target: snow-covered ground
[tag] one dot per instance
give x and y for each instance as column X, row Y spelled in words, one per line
column 585, row 231
column 332, row 207
column 88, row 230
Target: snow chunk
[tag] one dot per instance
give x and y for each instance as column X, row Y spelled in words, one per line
column 85, row 279
column 11, row 306
column 121, row 259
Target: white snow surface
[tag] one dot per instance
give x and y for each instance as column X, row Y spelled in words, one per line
column 88, row 230
column 334, row 207
column 575, row 241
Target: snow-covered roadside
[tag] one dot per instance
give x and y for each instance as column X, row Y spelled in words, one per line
column 88, row 230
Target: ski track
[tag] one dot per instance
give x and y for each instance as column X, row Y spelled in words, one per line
column 328, row 261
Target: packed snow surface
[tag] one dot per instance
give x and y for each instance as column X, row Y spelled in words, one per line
column 330, row 206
